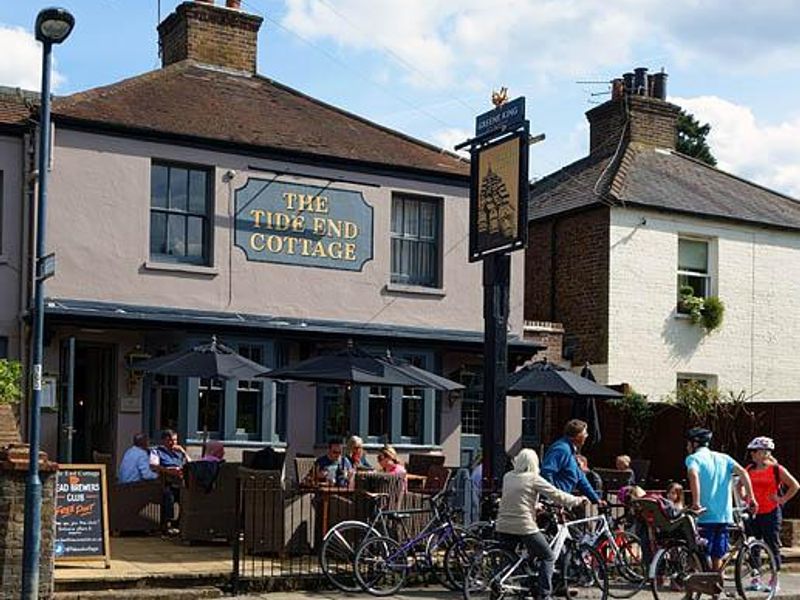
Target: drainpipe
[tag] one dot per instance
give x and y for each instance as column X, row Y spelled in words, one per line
column 28, row 190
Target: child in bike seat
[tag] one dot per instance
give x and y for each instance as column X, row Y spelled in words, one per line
column 516, row 517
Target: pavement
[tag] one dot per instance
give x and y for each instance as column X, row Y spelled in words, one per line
column 790, row 590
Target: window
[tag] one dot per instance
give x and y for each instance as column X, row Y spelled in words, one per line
column 471, row 377
column 379, row 420
column 281, row 391
column 335, row 412
column 415, row 241
column 167, row 386
column 249, row 394
column 693, row 266
column 211, row 395
column 688, row 380
column 531, row 422
column 179, row 214
column 411, row 414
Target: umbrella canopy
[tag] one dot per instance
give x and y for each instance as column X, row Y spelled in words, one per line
column 207, row 361
column 585, row 409
column 547, row 378
column 428, row 380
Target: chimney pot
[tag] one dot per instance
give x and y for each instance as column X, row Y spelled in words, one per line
column 640, row 81
column 627, row 78
column 660, row 86
column 234, row 4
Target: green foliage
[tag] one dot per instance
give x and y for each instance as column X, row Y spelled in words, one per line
column 10, row 381
column 692, row 139
column 720, row 412
column 706, row 311
column 638, row 414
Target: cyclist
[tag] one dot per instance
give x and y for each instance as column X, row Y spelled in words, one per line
column 516, row 518
column 773, row 486
column 560, row 464
column 710, row 477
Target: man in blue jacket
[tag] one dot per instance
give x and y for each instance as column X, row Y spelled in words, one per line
column 560, row 467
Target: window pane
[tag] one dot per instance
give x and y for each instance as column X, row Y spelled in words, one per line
column 379, row 412
column 178, row 188
column 247, row 411
column 411, row 218
column 281, row 391
column 197, row 192
column 158, row 233
column 427, row 229
column 195, row 236
column 337, row 413
column 412, row 413
column 158, row 186
column 698, row 283
column 397, row 258
column 397, row 216
column 176, row 235
column 209, row 406
column 692, row 256
column 168, row 411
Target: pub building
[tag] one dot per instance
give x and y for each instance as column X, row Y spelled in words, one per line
column 204, row 199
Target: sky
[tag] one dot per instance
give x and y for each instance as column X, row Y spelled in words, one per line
column 428, row 67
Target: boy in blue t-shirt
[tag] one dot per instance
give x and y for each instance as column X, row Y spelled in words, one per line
column 710, row 477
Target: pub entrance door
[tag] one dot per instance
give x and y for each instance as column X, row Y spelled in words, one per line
column 95, row 384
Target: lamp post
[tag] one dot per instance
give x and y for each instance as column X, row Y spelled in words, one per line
column 53, row 26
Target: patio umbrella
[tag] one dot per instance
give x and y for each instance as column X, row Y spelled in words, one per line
column 207, row 361
column 428, row 379
column 547, row 378
column 585, row 409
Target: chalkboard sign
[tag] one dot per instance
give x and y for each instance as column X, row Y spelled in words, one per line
column 81, row 514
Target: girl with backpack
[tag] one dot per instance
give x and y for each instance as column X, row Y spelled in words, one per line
column 773, row 487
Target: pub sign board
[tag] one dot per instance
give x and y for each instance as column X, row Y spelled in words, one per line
column 499, row 196
column 81, row 514
column 309, row 226
column 505, row 117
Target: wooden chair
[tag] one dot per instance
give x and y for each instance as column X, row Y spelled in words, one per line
column 209, row 514
column 614, row 479
column 105, row 458
column 419, row 464
column 303, row 465
column 437, row 479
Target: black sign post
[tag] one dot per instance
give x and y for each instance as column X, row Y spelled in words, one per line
column 498, row 226
column 82, row 514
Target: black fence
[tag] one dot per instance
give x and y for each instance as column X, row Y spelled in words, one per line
column 280, row 525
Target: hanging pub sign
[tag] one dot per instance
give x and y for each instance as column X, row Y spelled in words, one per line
column 81, row 514
column 505, row 117
column 498, row 217
column 303, row 225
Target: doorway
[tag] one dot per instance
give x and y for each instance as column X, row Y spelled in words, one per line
column 95, row 382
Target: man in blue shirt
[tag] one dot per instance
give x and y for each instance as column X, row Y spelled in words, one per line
column 135, row 464
column 333, row 467
column 560, row 466
column 710, row 477
column 168, row 459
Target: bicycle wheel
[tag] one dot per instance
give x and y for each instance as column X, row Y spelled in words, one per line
column 436, row 548
column 625, row 565
column 756, row 571
column 458, row 558
column 671, row 567
column 338, row 552
column 582, row 569
column 381, row 566
column 484, row 576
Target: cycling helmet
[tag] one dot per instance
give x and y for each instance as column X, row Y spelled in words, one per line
column 699, row 435
column 761, row 443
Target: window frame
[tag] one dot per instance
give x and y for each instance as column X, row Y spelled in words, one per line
column 206, row 258
column 707, row 276
column 414, row 278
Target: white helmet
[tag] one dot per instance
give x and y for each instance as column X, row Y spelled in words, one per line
column 761, row 443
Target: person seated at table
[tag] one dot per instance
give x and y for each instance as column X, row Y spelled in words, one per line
column 135, row 464
column 592, row 477
column 356, row 455
column 389, row 462
column 169, row 459
column 623, row 463
column 333, row 467
column 215, row 451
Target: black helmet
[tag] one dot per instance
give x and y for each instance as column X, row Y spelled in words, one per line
column 699, row 435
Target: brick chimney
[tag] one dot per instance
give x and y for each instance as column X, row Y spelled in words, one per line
column 210, row 34
column 638, row 111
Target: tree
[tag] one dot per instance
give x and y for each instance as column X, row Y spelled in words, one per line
column 692, row 139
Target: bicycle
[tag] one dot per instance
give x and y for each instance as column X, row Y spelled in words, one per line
column 681, row 567
column 382, row 563
column 497, row 571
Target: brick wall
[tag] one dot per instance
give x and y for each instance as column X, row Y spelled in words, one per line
column 9, row 425
column 566, row 280
column 211, row 35
column 549, row 335
column 649, row 121
column 13, row 471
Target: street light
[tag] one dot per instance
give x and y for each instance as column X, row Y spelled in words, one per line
column 53, row 26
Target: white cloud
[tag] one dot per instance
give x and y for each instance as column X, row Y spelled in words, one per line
column 21, row 60
column 766, row 153
column 448, row 138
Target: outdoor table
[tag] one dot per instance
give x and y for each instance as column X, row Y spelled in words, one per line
column 323, row 493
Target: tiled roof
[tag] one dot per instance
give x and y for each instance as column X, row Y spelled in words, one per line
column 188, row 99
column 663, row 180
column 14, row 109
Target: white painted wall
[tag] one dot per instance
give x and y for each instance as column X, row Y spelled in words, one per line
column 98, row 224
column 757, row 276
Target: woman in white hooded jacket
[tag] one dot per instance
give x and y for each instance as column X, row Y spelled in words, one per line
column 516, row 518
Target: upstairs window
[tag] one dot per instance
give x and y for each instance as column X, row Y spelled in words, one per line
column 180, row 201
column 693, row 266
column 415, row 241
